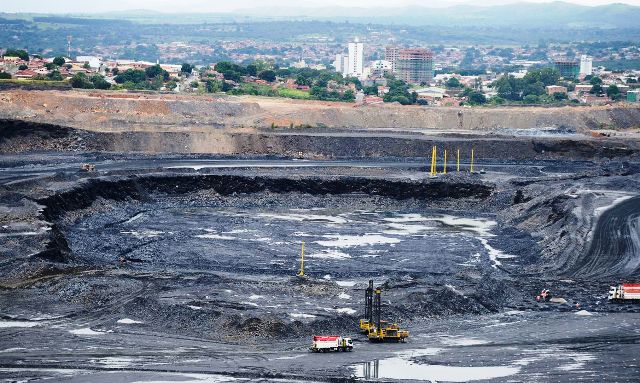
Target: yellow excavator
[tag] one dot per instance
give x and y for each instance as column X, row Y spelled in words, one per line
column 378, row 330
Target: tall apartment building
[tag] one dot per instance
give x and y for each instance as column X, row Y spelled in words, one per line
column 355, row 62
column 567, row 69
column 391, row 55
column 586, row 65
column 415, row 66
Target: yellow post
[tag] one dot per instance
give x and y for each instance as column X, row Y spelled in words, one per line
column 444, row 171
column 434, row 161
column 301, row 272
column 471, row 160
column 431, row 168
column 458, row 161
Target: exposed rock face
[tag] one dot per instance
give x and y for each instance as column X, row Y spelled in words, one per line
column 108, row 111
column 20, row 136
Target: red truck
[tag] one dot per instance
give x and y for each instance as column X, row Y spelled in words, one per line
column 626, row 292
column 328, row 343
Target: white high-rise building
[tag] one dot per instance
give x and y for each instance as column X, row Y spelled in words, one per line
column 338, row 63
column 356, row 59
column 586, row 65
column 345, row 65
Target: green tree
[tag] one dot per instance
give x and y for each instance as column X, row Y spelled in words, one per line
column 356, row 81
column 530, row 99
column 348, row 95
column 59, row 61
column 80, row 80
column 613, row 92
column 477, row 98
column 23, row 67
column 595, row 80
column 596, row 89
column 267, row 75
column 187, row 68
column 213, row 86
column 21, row 53
column 303, row 80
column 452, row 83
column 55, row 76
column 5, row 76
column 230, row 71
column 371, row 90
column 99, row 82
column 508, row 87
column 153, row 72
column 497, row 100
column 134, row 76
column 252, row 69
column 559, row 96
column 398, row 92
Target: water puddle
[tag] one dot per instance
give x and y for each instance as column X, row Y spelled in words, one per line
column 6, row 324
column 342, row 241
column 306, row 217
column 329, row 254
column 401, row 368
column 128, row 321
column 87, row 331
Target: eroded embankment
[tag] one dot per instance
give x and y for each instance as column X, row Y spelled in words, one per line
column 110, row 111
column 141, row 188
column 21, row 136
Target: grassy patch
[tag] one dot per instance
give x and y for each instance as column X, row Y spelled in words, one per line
column 294, row 93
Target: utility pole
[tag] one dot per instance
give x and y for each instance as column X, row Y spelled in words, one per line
column 458, row 161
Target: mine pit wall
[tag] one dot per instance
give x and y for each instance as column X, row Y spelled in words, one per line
column 140, row 188
column 117, row 111
column 21, row 136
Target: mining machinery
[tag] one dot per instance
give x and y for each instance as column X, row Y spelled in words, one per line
column 367, row 322
column 379, row 330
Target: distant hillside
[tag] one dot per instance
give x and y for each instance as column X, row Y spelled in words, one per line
column 526, row 15
column 556, row 15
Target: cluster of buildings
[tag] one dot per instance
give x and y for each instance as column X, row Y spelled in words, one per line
column 412, row 65
column 415, row 66
column 572, row 69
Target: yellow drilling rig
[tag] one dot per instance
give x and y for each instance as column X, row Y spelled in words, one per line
column 376, row 329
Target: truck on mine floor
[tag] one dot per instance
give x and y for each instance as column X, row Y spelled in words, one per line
column 329, row 343
column 626, row 292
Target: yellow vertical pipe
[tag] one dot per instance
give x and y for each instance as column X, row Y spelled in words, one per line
column 458, row 161
column 435, row 160
column 444, row 170
column 471, row 160
column 301, row 272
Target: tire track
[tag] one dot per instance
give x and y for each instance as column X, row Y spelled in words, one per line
column 614, row 251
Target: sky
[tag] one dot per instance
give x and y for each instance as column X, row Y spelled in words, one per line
column 83, row 6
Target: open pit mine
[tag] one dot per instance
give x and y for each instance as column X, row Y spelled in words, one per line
column 160, row 238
